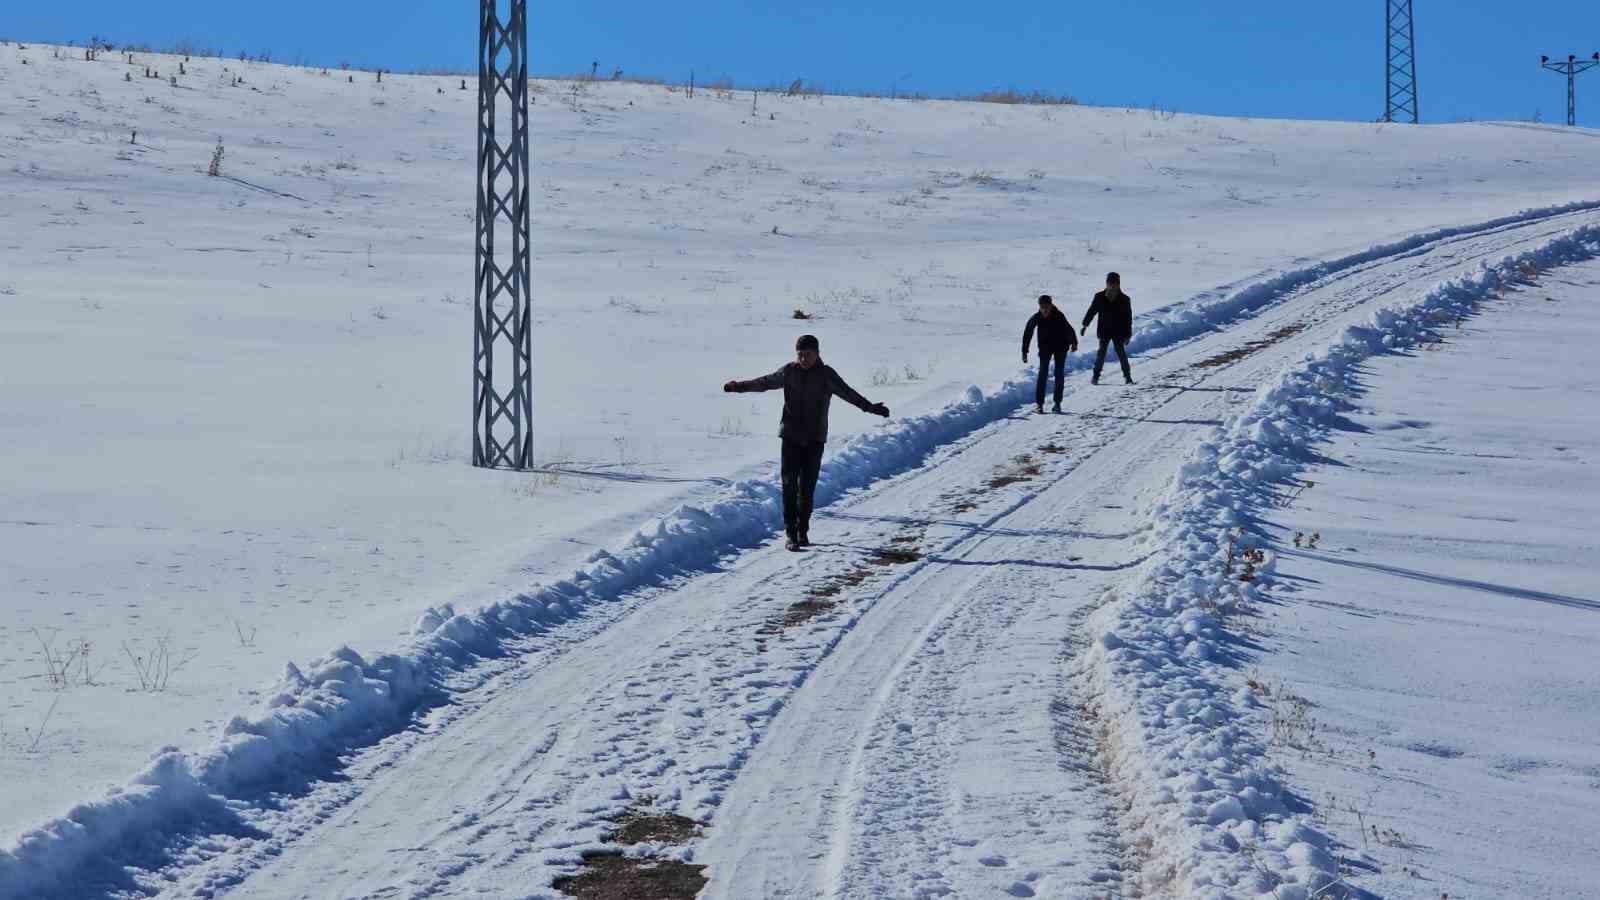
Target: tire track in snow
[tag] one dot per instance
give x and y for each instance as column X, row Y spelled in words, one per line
column 1351, row 297
column 1150, row 406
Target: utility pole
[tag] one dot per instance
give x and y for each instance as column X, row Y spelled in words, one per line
column 1571, row 68
column 1400, row 63
column 502, row 335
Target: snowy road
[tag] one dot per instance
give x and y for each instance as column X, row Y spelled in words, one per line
column 920, row 735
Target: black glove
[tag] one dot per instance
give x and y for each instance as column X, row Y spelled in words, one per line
column 879, row 409
column 731, row 387
column 1024, row 357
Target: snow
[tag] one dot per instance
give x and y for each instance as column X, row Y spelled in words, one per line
column 1444, row 629
column 228, row 435
column 1162, row 668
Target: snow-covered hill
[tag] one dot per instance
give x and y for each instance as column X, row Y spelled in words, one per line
column 237, row 407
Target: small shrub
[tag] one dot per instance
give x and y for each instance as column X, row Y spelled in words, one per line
column 216, row 161
column 63, row 667
column 155, row 664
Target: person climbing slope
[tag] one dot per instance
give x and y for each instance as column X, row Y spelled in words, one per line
column 1115, row 310
column 1056, row 339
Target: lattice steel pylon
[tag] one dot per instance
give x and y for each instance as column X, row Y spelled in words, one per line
column 502, row 337
column 1572, row 68
column 1400, row 63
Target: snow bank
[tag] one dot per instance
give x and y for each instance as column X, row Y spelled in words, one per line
column 344, row 700
column 1185, row 734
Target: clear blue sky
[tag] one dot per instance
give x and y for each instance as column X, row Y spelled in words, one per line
column 1476, row 58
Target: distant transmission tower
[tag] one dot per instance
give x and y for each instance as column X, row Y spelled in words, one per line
column 1571, row 68
column 1400, row 63
column 502, row 336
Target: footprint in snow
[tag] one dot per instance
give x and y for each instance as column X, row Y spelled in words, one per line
column 994, row 861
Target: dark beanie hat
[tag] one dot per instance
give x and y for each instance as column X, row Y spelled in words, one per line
column 1113, row 278
column 807, row 342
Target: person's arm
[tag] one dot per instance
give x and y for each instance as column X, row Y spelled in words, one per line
column 1094, row 307
column 1072, row 337
column 764, row 383
column 1027, row 334
column 848, row 394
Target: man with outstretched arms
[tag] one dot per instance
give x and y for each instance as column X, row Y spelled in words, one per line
column 808, row 385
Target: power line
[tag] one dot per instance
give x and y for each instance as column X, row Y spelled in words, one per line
column 1572, row 68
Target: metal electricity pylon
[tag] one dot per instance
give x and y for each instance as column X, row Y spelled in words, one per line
column 1400, row 63
column 502, row 336
column 1572, row 68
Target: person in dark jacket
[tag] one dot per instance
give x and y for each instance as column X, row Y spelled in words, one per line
column 808, row 385
column 1056, row 338
column 1116, row 325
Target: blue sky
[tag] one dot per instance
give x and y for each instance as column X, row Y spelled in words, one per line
column 1476, row 58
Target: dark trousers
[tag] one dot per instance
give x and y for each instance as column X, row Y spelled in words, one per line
column 1045, row 356
column 1122, row 356
column 800, row 464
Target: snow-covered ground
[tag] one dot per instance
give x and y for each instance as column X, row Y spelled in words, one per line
column 1444, row 631
column 228, row 405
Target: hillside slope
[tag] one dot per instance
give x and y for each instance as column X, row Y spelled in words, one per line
column 237, row 406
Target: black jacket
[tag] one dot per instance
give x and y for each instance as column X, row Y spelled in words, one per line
column 1116, row 317
column 806, row 394
column 1055, row 333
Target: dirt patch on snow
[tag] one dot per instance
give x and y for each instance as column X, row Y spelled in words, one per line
column 799, row 614
column 1238, row 353
column 633, row 878
column 1022, row 469
column 893, row 556
column 839, row 582
column 638, row 826
column 616, row 877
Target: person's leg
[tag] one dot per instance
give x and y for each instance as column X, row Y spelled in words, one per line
column 1100, row 357
column 1122, row 357
column 1038, row 388
column 810, row 469
column 1061, row 375
column 792, row 467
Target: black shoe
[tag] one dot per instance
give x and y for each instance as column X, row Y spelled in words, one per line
column 1095, row 378
column 805, row 539
column 1127, row 379
column 1058, row 407
column 1038, row 407
column 793, row 545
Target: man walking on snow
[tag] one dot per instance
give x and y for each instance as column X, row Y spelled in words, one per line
column 808, row 385
column 1116, row 325
column 1056, row 338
